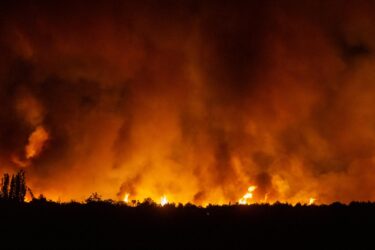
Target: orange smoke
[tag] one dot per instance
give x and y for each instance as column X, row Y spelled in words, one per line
column 190, row 100
column 36, row 143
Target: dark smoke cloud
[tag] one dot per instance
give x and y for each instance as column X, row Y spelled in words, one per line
column 190, row 99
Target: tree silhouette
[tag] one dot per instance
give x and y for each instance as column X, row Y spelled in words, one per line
column 12, row 191
column 94, row 197
column 16, row 189
column 31, row 193
column 21, row 186
column 5, row 186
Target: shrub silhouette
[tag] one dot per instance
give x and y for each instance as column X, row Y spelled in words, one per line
column 94, row 197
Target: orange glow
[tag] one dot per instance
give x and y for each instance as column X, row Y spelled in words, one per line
column 36, row 143
column 113, row 98
column 21, row 163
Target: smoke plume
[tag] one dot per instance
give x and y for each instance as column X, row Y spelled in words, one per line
column 195, row 100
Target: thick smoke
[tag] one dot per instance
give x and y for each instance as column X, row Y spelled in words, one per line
column 196, row 100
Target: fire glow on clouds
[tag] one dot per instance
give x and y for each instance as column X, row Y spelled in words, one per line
column 190, row 101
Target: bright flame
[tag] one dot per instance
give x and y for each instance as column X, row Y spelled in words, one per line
column 249, row 195
column 37, row 140
column 311, row 201
column 126, row 198
column 163, row 200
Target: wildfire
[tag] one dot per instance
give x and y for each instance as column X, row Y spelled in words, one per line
column 36, row 143
column 311, row 201
column 249, row 195
column 126, row 198
column 163, row 200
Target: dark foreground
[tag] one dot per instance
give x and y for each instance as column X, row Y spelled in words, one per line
column 44, row 225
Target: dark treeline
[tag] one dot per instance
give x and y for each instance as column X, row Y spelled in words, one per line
column 107, row 224
column 14, row 188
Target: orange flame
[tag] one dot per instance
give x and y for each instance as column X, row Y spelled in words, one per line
column 249, row 195
column 126, row 198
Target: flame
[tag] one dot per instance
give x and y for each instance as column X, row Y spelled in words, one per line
column 163, row 200
column 36, row 143
column 126, row 198
column 311, row 201
column 249, row 195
